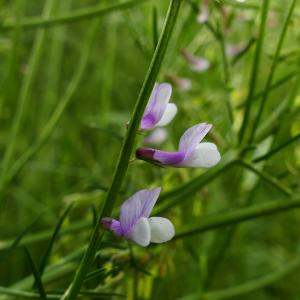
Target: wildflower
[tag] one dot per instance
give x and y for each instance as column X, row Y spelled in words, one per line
column 135, row 224
column 183, row 84
column 198, row 64
column 156, row 137
column 235, row 49
column 159, row 112
column 204, row 14
column 191, row 152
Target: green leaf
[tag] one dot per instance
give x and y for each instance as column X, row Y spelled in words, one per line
column 51, row 242
column 36, row 275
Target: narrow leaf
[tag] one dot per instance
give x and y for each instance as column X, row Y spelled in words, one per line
column 36, row 275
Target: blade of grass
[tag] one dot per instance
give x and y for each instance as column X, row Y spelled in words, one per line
column 277, row 149
column 255, row 69
column 24, row 94
column 271, row 180
column 254, row 285
column 273, row 120
column 239, row 215
column 43, row 235
column 83, row 14
column 127, row 147
column 58, row 112
column 240, row 55
column 52, row 240
column 16, row 242
column 36, row 275
column 56, row 295
column 154, row 27
column 273, row 69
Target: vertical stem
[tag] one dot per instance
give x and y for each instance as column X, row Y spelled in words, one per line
column 272, row 71
column 127, row 147
column 255, row 68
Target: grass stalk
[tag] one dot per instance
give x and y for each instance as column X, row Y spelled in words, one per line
column 82, row 14
column 255, row 69
column 24, row 94
column 238, row 216
column 273, row 69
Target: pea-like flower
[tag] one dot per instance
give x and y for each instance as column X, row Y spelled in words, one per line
column 191, row 152
column 203, row 16
column 159, row 112
column 136, row 225
column 197, row 64
column 156, row 137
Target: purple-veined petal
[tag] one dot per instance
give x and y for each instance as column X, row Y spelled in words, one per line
column 112, row 225
column 169, row 114
column 156, row 137
column 205, row 155
column 152, row 99
column 193, row 136
column 148, row 121
column 169, row 158
column 137, row 206
column 157, row 105
column 140, row 233
column 162, row 229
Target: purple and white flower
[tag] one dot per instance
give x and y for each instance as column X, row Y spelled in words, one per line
column 191, row 152
column 159, row 112
column 198, row 64
column 156, row 137
column 136, row 225
column 183, row 84
column 204, row 14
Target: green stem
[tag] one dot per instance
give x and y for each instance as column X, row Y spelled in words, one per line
column 239, row 215
column 252, row 285
column 76, row 16
column 255, row 69
column 273, row 181
column 277, row 149
column 272, row 71
column 127, row 147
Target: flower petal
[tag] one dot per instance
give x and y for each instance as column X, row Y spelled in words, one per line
column 162, row 229
column 168, row 158
column 205, row 155
column 137, row 206
column 157, row 104
column 200, row 64
column 112, row 225
column 168, row 116
column 152, row 99
column 193, row 136
column 141, row 232
column 156, row 137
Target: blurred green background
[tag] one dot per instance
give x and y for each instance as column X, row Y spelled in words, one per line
column 67, row 90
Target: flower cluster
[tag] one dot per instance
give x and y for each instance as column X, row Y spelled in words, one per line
column 135, row 223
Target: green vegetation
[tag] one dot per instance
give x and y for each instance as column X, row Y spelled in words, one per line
column 75, row 79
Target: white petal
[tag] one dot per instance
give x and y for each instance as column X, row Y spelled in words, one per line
column 168, row 116
column 156, row 137
column 162, row 229
column 205, row 155
column 141, row 232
